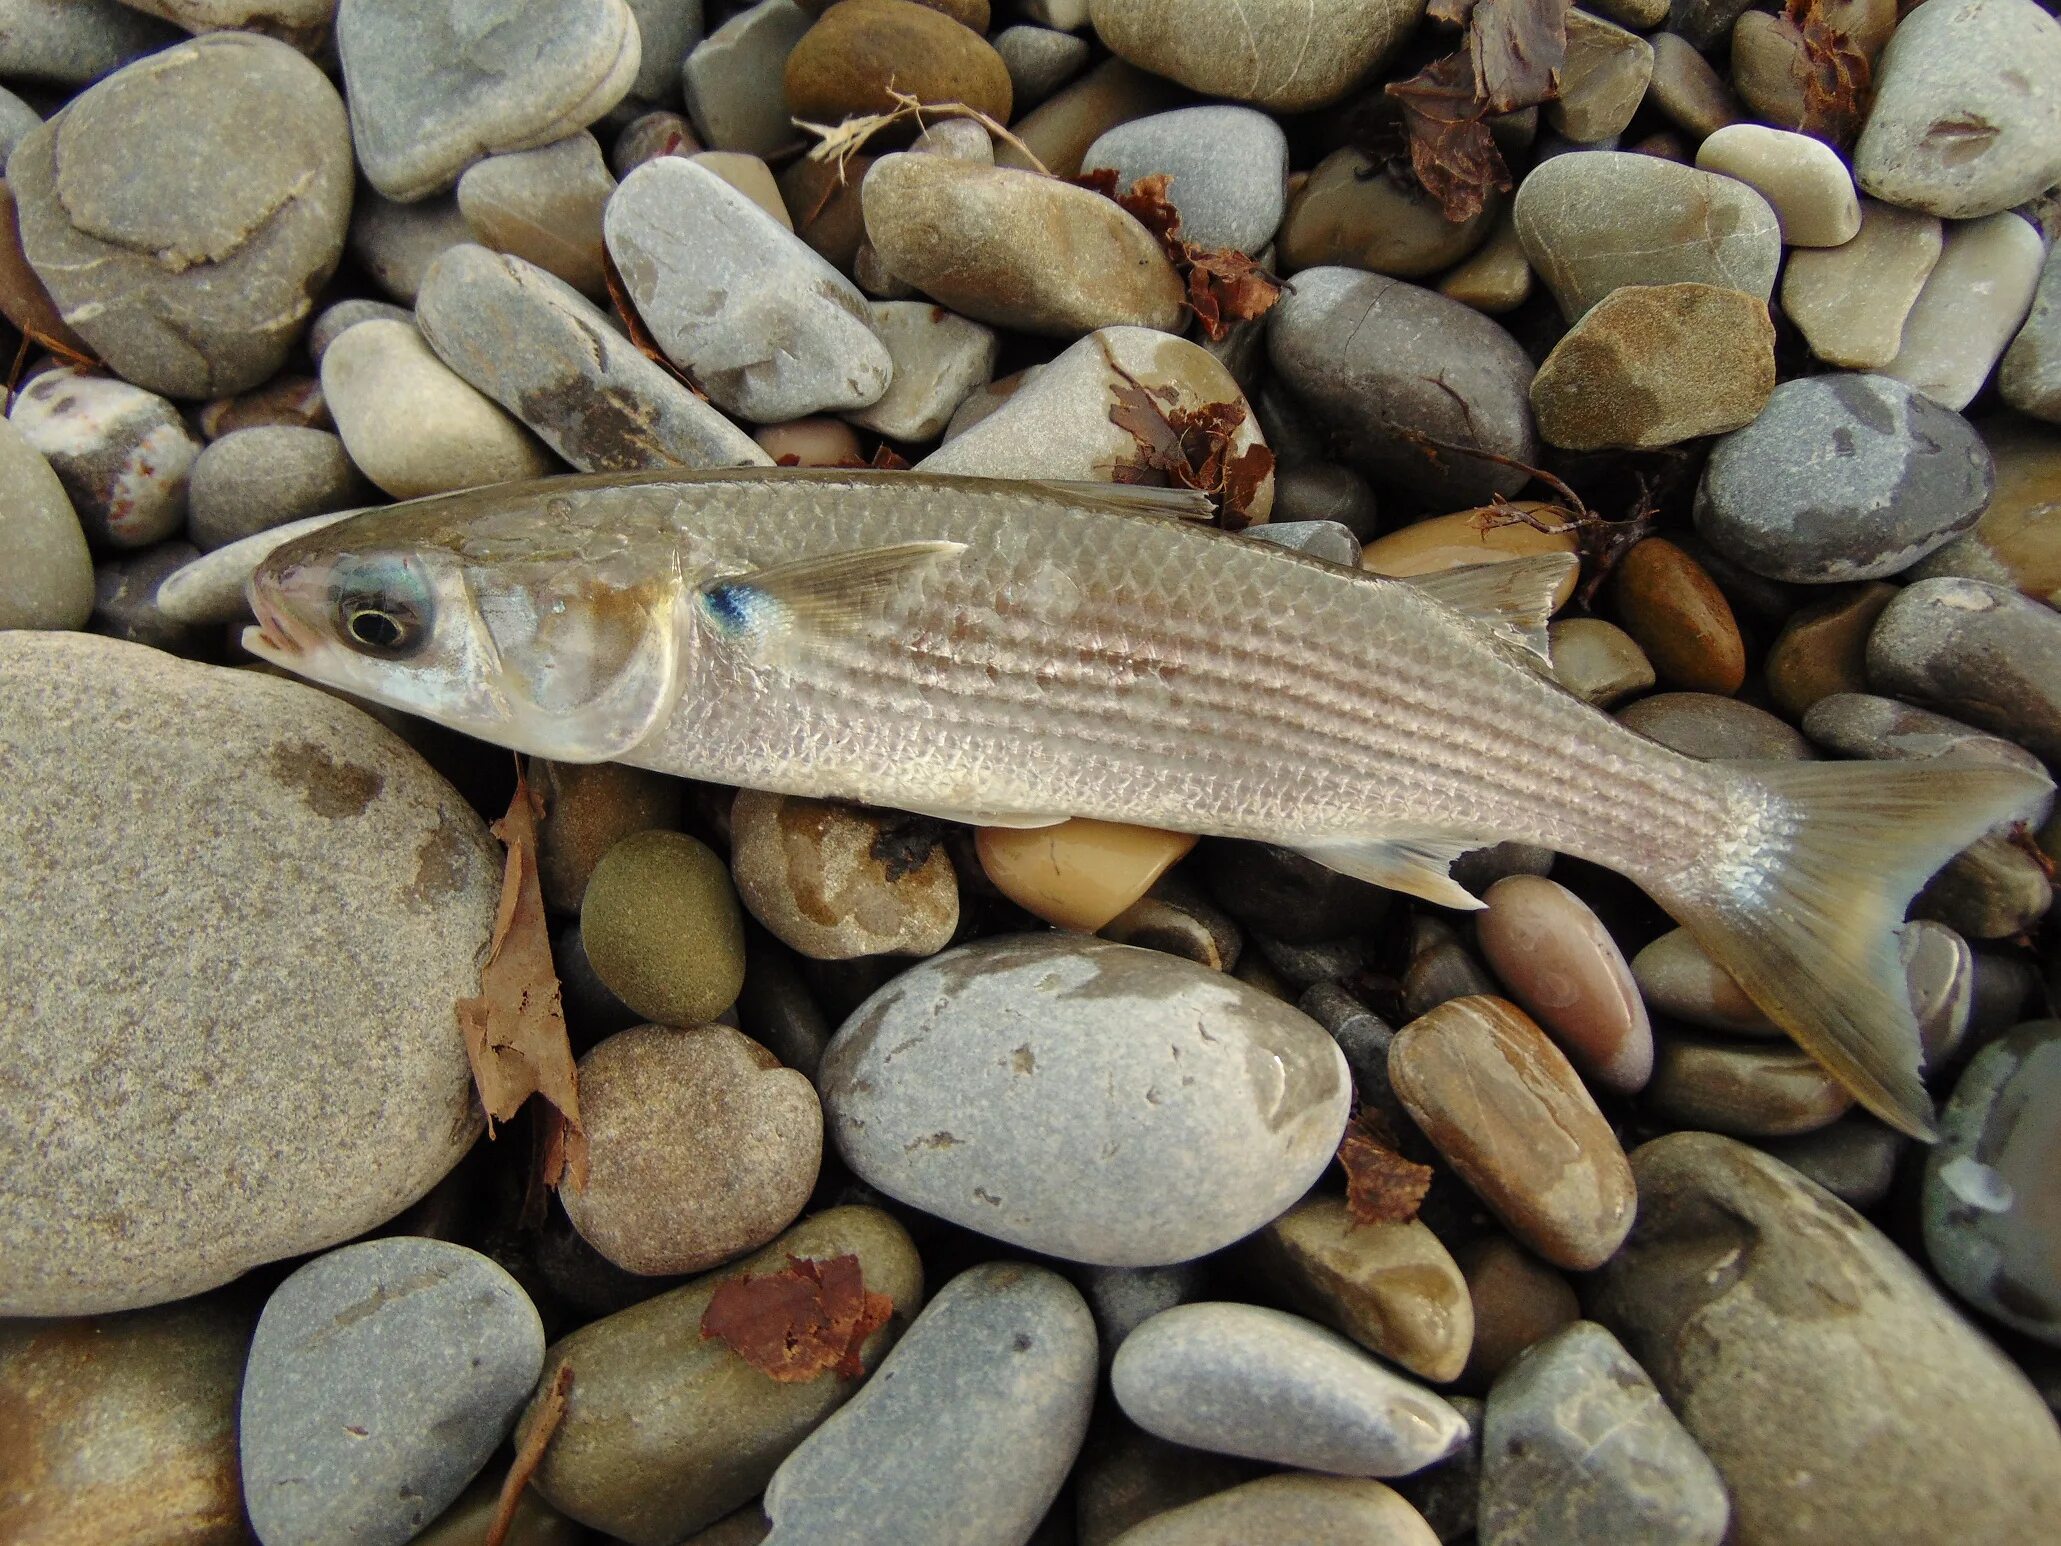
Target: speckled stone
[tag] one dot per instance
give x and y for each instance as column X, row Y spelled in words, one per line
column 1287, row 1508
column 344, row 1093
column 860, row 51
column 72, row 42
column 732, row 80
column 1974, row 652
column 1000, row 1363
column 662, row 926
column 938, row 357
column 381, row 1378
column 123, row 455
column 1713, row 728
column 980, row 1087
column 1228, row 165
column 834, row 882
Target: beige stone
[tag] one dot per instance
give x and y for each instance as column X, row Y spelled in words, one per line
column 1597, row 661
column 1687, row 90
column 1081, row 873
column 1497, row 278
column 1294, row 1506
column 2017, row 541
column 1806, row 182
column 1352, row 212
column 543, row 206
column 1969, row 307
column 750, row 176
column 1520, row 528
column 1290, row 55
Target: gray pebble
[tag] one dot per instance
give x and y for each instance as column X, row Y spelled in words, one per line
column 255, row 479
column 1307, row 492
column 71, row 42
column 1842, row 477
column 331, row 322
column 1229, row 167
column 734, row 79
column 124, row 455
column 209, row 589
column 1976, row 652
column 544, row 206
column 1714, row 728
column 16, row 119
column 381, row 1379
column 47, row 580
column 1577, row 1446
column 2031, row 376
column 666, row 30
column 937, row 358
column 554, row 360
column 966, row 1431
column 1242, row 1380
column 1092, row 1101
column 1040, row 60
column 396, row 243
column 126, row 602
column 1124, row 1298
column 1854, row 1159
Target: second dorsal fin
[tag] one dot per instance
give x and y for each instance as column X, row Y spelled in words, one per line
column 1512, row 598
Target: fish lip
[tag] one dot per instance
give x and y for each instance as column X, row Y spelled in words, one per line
column 273, row 638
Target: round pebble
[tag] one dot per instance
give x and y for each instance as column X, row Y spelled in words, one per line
column 123, row 455
column 1803, row 180
column 1518, row 1301
column 1770, row 1090
column 543, row 206
column 1974, row 652
column 1227, row 169
column 861, row 50
column 254, row 479
column 661, row 924
column 1287, row 1508
column 1290, row 57
column 834, row 882
column 1350, row 213
column 1557, row 960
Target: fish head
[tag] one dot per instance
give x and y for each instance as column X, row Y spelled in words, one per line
column 530, row 620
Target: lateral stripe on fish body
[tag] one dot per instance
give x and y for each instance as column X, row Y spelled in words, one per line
column 1034, row 651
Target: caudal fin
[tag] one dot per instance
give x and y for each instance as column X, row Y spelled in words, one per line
column 1805, row 916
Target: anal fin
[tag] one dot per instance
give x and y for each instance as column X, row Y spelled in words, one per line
column 1414, row 862
column 1511, row 598
column 980, row 818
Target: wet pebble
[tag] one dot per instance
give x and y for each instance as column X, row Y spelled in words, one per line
column 48, row 580
column 543, row 206
column 661, row 924
column 1597, row 661
column 123, row 455
column 1557, row 960
column 833, row 881
column 1497, row 279
column 1291, row 896
column 254, row 479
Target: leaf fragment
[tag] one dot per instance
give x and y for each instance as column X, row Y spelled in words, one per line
column 1224, row 285
column 1452, row 153
column 1181, row 447
column 529, row 1454
column 809, row 1318
column 1381, row 1187
column 1837, row 74
column 633, row 324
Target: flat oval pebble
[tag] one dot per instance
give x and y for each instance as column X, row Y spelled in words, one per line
column 1822, row 651
column 938, row 358
column 1087, row 1100
column 1000, row 1363
column 1803, row 180
column 1851, row 300
column 123, row 455
column 700, row 1147
column 1081, row 873
column 1597, row 661
column 251, row 480
column 1603, row 79
column 1285, row 56
column 1678, row 978
column 1557, row 960
column 1504, row 1107
column 1518, row 1301
column 861, row 50
column 381, row 1378
column 1974, row 652
column 1287, row 1508
column 1764, row 1090
column 1227, row 169
column 1839, row 1394
column 834, row 881
column 345, row 1093
column 1969, row 307
column 48, row 581
column 1243, row 1380
column 661, row 924
column 1670, row 605
column 1713, row 728
column 732, row 80
column 1348, row 212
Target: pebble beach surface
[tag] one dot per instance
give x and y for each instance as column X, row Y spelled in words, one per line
column 940, row 1184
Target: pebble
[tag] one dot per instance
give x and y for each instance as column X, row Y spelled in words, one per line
column 1174, row 919
column 649, row 136
column 288, row 399
column 76, row 41
column 835, row 881
column 1974, row 652
column 1597, row 661
column 1372, row 357
column 769, row 330
column 661, row 924
column 1770, row 1090
column 1822, row 650
column 1080, row 874
column 859, row 52
column 345, row 1093
column 1392, row 1288
column 1687, row 89
column 1497, row 279
column 811, row 442
column 1123, row 1298
column 1228, row 165
column 535, row 1522
column 1855, row 1159
column 1594, row 221
column 587, row 809
column 1010, row 1055
column 123, row 1428
column 1447, row 1495
column 123, row 455
column 1966, row 116
column 1654, row 365
column 1039, row 60
column 199, row 590
column 546, row 354
column 1987, row 1231
column 48, row 578
column 1288, row 56
column 1518, row 1301
column 432, row 91
column 1969, row 307
column 1239, row 1379
column 975, row 238
column 1127, row 1476
column 333, row 321
column 1288, row 1507
column 1577, row 1445
column 413, row 425
column 733, row 80
column 254, row 479
column 1670, row 605
column 543, row 206
column 938, row 359
column 1603, row 80
column 666, row 30
column 201, row 293
column 667, row 1431
column 1060, row 130
column 1289, row 895
column 1851, row 301
column 1838, row 1394
column 1350, row 213
column 303, row 23
column 1803, row 180
column 396, row 243
column 1323, row 494
column 381, row 1379
column 2031, row 377
column 702, row 1114
column 16, row 119
column 1558, row 961
column 1843, row 477
column 125, row 597
column 2015, row 543
column 1706, row 726
column 1507, row 1111
column 749, row 176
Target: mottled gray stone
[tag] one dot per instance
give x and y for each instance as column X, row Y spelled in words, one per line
column 1373, row 357
column 254, row 479
column 381, row 1378
column 47, row 580
column 1854, row 1159
column 1124, row 1298
column 1093, row 1101
column 184, row 212
column 1040, row 60
column 770, row 330
column 1966, row 116
column 16, row 119
column 1990, row 1228
column 734, row 79
column 1577, row 1446
column 1595, row 220
column 1840, row 1396
column 666, row 30
column 1229, row 167
column 71, row 42
column 554, row 360
column 124, row 455
column 331, row 322
column 1243, row 1380
column 1842, row 477
column 938, row 358
column 434, row 88
column 964, row 1434
column 2031, row 376
column 1975, row 652
column 396, row 243
column 544, row 206
column 182, row 1106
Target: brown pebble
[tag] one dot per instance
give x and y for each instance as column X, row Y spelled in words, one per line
column 1680, row 618
column 1506, row 1109
column 1557, row 960
column 1677, row 978
column 1059, row 130
column 1465, row 537
column 823, row 201
column 588, row 809
column 861, row 50
column 1760, row 1090
column 1441, row 968
column 1710, row 728
column 1078, row 874
column 1823, row 649
column 1175, row 920
column 23, row 300
column 1518, row 1300
column 295, row 401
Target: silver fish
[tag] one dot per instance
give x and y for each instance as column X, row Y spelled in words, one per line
column 1014, row 653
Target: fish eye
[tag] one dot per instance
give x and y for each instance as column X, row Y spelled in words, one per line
column 383, row 608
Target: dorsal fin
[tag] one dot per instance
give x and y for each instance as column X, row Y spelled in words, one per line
column 1187, row 504
column 771, row 612
column 1512, row 598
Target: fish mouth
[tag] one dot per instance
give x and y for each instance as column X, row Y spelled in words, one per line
column 272, row 639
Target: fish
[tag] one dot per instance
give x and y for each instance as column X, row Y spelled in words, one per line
column 1015, row 653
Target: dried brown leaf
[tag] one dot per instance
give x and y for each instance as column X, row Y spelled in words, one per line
column 515, row 1030
column 1452, row 153
column 1225, row 286
column 529, row 1454
column 633, row 324
column 809, row 1318
column 1189, row 448
column 1517, row 48
column 1836, row 74
column 1381, row 1187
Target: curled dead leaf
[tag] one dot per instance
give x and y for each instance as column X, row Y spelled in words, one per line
column 1181, row 447
column 1381, row 1187
column 808, row 1319
column 1224, row 286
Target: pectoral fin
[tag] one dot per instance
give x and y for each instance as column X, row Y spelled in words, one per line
column 1512, row 598
column 772, row 611
column 1414, row 862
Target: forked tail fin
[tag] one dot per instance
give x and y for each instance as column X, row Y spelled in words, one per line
column 1804, row 912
